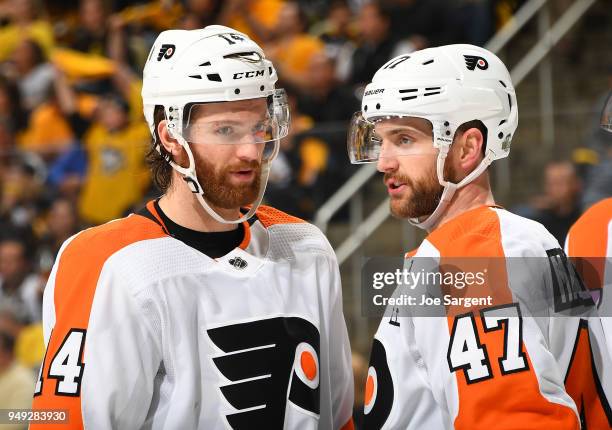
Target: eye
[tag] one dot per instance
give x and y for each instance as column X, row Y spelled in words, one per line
column 261, row 127
column 405, row 140
column 225, row 131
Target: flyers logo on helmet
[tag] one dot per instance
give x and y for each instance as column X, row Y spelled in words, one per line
column 268, row 362
column 166, row 51
column 473, row 61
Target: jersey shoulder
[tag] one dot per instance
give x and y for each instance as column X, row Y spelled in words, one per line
column 269, row 216
column 595, row 220
column 97, row 244
column 590, row 236
column 524, row 237
column 491, row 231
column 289, row 234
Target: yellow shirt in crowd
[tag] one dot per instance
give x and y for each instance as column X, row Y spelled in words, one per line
column 16, row 390
column 117, row 175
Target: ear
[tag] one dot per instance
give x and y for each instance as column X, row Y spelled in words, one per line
column 170, row 144
column 470, row 149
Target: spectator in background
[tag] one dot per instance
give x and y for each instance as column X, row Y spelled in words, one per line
column 48, row 134
column 18, row 284
column 115, row 142
column 11, row 109
column 292, row 49
column 25, row 22
column 559, row 206
column 61, row 223
column 203, row 12
column 294, row 184
column 16, row 381
column 33, row 73
column 335, row 30
column 323, row 99
column 259, row 19
column 421, row 19
column 29, row 338
column 21, row 189
column 7, row 143
column 90, row 35
column 471, row 21
column 375, row 46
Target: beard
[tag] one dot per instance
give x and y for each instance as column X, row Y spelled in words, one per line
column 424, row 193
column 218, row 189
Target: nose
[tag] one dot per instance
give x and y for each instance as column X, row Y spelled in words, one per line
column 387, row 164
column 249, row 151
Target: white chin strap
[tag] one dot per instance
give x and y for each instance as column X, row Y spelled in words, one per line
column 449, row 188
column 191, row 179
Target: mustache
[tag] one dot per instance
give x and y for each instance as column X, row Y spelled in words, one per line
column 398, row 178
column 246, row 165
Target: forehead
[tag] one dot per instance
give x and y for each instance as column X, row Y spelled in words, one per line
column 215, row 111
column 392, row 125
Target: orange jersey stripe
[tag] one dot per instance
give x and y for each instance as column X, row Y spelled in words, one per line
column 79, row 268
column 348, row 426
column 268, row 216
column 585, row 391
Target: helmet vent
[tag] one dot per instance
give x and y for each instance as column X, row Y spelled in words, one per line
column 504, row 85
column 214, row 77
column 410, row 90
column 196, row 76
column 510, row 101
column 249, row 57
column 207, row 63
column 436, row 90
column 428, row 62
column 502, row 122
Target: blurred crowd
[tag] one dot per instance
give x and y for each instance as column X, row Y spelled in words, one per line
column 73, row 138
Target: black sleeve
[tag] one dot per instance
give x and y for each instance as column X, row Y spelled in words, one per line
column 78, row 124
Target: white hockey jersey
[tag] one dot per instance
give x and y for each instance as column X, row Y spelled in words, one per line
column 145, row 332
column 491, row 367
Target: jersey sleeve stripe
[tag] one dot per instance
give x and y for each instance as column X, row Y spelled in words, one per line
column 76, row 280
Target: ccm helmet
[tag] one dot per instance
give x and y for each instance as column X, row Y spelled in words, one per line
column 189, row 68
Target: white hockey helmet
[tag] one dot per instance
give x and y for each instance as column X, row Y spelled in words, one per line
column 189, row 68
column 448, row 86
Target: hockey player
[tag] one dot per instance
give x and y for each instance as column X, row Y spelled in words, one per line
column 204, row 310
column 589, row 243
column 433, row 121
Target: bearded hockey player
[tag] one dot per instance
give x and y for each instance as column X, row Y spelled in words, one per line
column 433, row 121
column 204, row 310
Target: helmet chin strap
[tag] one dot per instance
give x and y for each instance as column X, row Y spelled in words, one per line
column 449, row 188
column 191, row 179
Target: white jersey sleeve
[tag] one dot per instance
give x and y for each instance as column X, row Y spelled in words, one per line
column 108, row 335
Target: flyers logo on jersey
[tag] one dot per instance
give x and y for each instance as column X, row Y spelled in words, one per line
column 473, row 61
column 268, row 362
column 166, row 51
column 378, row 398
